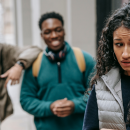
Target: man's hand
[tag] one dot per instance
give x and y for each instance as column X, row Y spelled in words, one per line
column 62, row 108
column 57, row 103
column 13, row 74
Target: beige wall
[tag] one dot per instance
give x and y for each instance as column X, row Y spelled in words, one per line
column 26, row 20
column 84, row 25
column 79, row 17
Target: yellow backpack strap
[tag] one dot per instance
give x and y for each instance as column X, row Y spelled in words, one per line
column 79, row 58
column 36, row 65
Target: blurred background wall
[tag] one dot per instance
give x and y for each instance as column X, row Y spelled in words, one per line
column 84, row 20
column 21, row 19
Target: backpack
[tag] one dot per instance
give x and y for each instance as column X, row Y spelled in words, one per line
column 79, row 58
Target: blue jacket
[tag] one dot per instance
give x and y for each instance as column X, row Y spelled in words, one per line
column 37, row 94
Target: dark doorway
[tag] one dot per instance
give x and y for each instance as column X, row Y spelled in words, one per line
column 103, row 10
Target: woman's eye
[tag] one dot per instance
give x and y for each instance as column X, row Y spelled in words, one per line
column 119, row 44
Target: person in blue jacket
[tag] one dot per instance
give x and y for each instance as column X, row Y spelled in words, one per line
column 55, row 96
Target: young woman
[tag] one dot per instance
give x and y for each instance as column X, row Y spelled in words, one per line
column 109, row 101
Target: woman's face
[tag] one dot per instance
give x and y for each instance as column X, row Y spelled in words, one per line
column 121, row 46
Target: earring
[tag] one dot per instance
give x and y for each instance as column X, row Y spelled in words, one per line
column 114, row 56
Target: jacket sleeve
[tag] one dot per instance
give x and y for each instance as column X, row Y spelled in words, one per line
column 28, row 55
column 91, row 121
column 80, row 102
column 28, row 97
column 11, row 54
column 90, row 69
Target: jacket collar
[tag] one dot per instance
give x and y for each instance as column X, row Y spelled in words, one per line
column 113, row 81
column 112, row 77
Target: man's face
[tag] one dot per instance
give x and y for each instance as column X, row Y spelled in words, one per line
column 53, row 33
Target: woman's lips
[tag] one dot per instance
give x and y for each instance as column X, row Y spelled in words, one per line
column 125, row 63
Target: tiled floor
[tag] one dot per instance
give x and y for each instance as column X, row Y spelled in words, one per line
column 19, row 120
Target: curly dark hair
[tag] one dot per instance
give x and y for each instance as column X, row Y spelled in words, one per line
column 105, row 54
column 50, row 15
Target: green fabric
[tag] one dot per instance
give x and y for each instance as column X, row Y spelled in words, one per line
column 38, row 93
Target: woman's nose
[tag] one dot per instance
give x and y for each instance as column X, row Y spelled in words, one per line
column 126, row 53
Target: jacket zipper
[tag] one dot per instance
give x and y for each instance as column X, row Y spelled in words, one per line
column 59, row 72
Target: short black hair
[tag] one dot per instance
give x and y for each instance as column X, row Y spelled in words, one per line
column 50, row 15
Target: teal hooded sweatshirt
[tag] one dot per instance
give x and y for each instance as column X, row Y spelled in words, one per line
column 37, row 94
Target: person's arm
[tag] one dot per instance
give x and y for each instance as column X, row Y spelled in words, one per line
column 28, row 97
column 17, row 59
column 91, row 121
column 79, row 103
column 28, row 55
column 90, row 68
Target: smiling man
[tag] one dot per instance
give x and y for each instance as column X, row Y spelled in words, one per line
column 55, row 95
